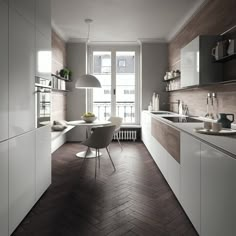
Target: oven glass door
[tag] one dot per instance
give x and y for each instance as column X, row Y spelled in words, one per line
column 42, row 106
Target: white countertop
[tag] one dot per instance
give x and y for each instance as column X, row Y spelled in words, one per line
column 224, row 143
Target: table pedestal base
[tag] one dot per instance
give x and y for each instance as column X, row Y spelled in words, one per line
column 90, row 154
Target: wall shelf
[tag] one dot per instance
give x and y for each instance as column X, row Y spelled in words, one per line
column 60, row 90
column 226, row 58
column 61, row 78
column 167, row 80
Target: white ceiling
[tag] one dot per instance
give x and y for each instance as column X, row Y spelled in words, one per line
column 121, row 21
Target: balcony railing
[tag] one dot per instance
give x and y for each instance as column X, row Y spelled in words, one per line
column 126, row 110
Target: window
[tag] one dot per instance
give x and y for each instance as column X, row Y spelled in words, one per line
column 118, row 72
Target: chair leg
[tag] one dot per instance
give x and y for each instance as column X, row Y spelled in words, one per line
column 96, row 165
column 98, row 159
column 85, row 156
column 119, row 142
column 111, row 159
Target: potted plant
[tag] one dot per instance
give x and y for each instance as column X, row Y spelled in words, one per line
column 65, row 73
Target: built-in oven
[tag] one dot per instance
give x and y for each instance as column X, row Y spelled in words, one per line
column 42, row 101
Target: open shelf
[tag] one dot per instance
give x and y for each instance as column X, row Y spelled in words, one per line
column 60, row 90
column 61, row 78
column 226, row 58
column 173, row 78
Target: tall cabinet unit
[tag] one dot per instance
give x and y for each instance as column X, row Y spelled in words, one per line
column 21, row 74
column 4, row 188
column 43, row 160
column 4, row 70
column 21, row 177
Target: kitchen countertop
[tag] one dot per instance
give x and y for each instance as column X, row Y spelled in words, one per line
column 224, row 143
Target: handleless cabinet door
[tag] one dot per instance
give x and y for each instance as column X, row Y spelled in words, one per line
column 21, row 74
column 25, row 8
column 190, row 172
column 4, row 70
column 43, row 56
column 43, row 17
column 43, row 160
column 21, row 177
column 218, row 193
column 4, row 188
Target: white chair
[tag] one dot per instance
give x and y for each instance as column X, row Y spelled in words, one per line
column 117, row 121
column 101, row 137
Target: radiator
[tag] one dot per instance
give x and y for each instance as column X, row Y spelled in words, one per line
column 126, row 135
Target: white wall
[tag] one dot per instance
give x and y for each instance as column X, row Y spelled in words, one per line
column 76, row 61
column 154, row 65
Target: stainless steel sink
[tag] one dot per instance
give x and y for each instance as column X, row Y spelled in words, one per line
column 161, row 112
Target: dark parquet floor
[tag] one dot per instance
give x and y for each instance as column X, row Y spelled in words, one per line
column 134, row 200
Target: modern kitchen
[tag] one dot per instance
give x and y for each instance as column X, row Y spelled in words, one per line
column 161, row 75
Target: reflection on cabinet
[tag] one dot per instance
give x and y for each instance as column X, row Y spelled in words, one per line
column 43, row 17
column 21, row 177
column 197, row 67
column 190, row 178
column 4, row 70
column 25, row 8
column 218, row 193
column 43, row 56
column 4, row 188
column 43, row 160
column 21, row 74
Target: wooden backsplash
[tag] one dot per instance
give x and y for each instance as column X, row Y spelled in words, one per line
column 58, row 62
column 214, row 18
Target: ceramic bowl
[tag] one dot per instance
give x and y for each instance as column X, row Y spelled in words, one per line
column 89, row 119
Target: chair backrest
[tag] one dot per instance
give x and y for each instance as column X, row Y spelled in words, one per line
column 117, row 121
column 101, row 137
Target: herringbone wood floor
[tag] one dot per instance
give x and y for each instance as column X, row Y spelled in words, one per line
column 134, row 200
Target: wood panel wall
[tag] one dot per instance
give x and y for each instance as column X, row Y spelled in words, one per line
column 58, row 62
column 214, row 18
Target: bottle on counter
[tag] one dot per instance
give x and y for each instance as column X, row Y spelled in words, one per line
column 157, row 102
column 153, row 101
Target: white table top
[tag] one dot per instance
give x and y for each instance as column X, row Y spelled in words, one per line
column 83, row 123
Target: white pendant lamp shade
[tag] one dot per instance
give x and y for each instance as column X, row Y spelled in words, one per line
column 87, row 81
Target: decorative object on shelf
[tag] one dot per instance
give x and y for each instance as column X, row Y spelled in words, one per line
column 226, row 123
column 173, row 80
column 220, row 50
column 65, row 73
column 88, row 117
column 59, row 83
column 232, row 47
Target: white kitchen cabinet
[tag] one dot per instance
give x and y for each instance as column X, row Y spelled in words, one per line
column 4, row 70
column 218, row 193
column 173, row 174
column 43, row 56
column 4, row 188
column 43, row 160
column 190, row 190
column 197, row 66
column 43, row 17
column 21, row 177
column 25, row 8
column 21, row 74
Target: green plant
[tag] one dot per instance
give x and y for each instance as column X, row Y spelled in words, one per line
column 65, row 73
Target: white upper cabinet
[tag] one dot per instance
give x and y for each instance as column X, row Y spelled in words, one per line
column 190, row 191
column 43, row 160
column 4, row 70
column 4, row 188
column 21, row 177
column 21, row 74
column 43, row 56
column 218, row 193
column 25, row 8
column 43, row 17
column 197, row 66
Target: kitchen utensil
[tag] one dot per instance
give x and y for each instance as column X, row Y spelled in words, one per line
column 226, row 123
column 216, row 127
column 207, row 125
column 232, row 47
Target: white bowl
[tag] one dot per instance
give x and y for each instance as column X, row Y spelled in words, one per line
column 89, row 119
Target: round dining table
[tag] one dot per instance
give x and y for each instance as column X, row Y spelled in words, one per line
column 89, row 126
